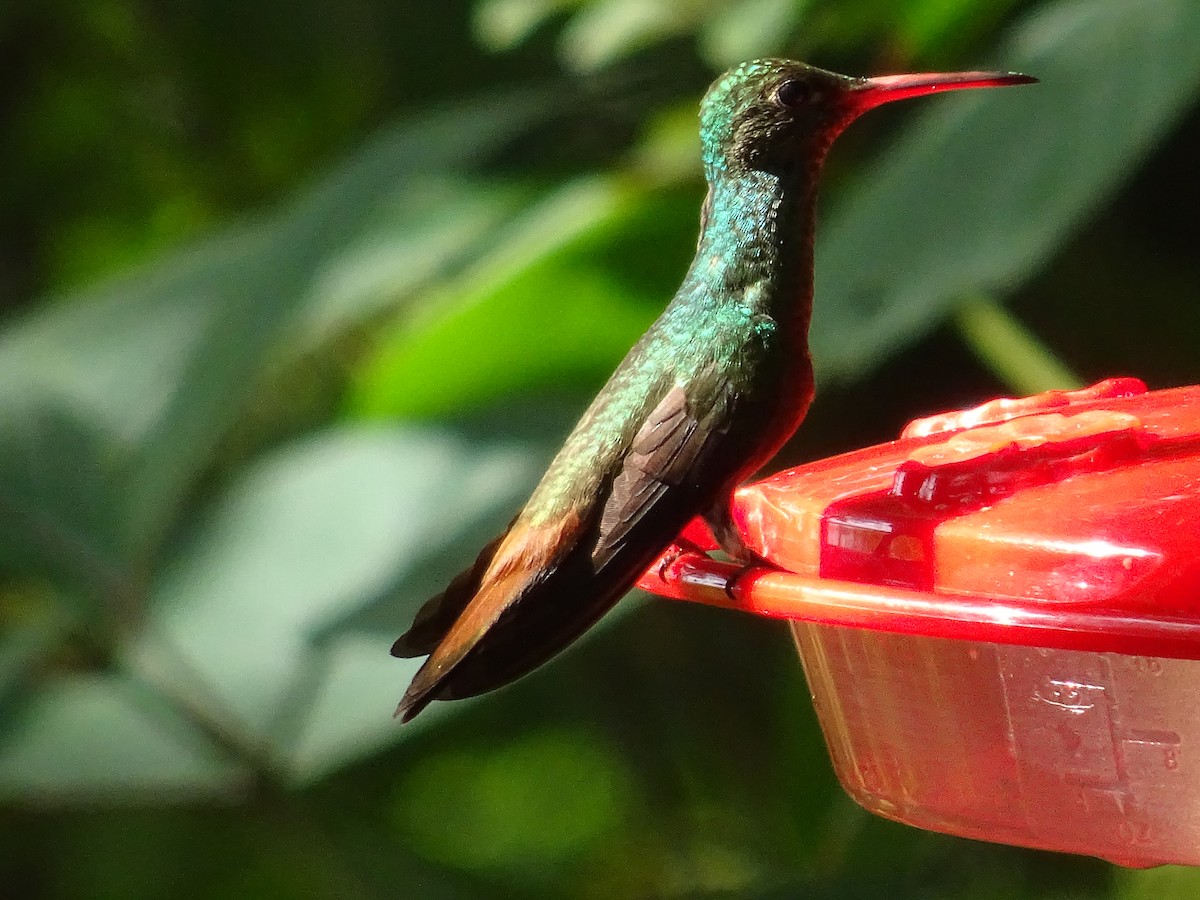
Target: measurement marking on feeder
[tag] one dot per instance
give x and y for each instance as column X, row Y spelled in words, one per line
column 1133, row 831
column 1115, row 730
column 1118, row 787
column 1082, row 733
column 1069, row 695
column 1146, row 665
column 1124, row 788
column 1151, row 736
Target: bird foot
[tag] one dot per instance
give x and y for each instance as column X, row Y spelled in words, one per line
column 680, row 548
column 729, row 539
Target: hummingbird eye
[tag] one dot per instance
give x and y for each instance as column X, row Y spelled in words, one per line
column 794, row 93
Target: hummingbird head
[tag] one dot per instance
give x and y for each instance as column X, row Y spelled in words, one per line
column 776, row 114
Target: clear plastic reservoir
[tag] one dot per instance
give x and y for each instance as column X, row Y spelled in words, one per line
column 1067, row 750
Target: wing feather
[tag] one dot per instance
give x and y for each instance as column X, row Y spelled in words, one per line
column 667, row 457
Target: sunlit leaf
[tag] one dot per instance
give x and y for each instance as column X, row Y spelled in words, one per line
column 553, row 320
column 560, row 314
column 606, row 30
column 414, row 237
column 502, row 24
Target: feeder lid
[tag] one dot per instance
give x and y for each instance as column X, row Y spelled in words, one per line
column 1069, row 503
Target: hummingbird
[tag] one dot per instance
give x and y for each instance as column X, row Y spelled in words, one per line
column 705, row 397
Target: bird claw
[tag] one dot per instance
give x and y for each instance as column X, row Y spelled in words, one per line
column 679, row 549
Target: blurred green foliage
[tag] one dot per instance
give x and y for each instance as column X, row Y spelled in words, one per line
column 300, row 297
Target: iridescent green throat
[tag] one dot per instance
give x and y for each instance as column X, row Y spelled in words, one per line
column 756, row 248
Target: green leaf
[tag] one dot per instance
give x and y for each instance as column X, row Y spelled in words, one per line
column 503, row 24
column 938, row 27
column 115, row 398
column 59, row 475
column 981, row 190
column 356, row 687
column 749, row 29
column 308, row 535
column 107, row 738
column 606, row 30
column 547, row 306
column 21, row 649
column 413, row 238
column 425, row 368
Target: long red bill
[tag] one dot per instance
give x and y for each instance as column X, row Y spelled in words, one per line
column 886, row 88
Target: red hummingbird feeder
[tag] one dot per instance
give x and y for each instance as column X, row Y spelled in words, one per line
column 999, row 617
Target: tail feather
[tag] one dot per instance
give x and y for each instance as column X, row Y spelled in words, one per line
column 552, row 613
column 440, row 612
column 413, row 701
